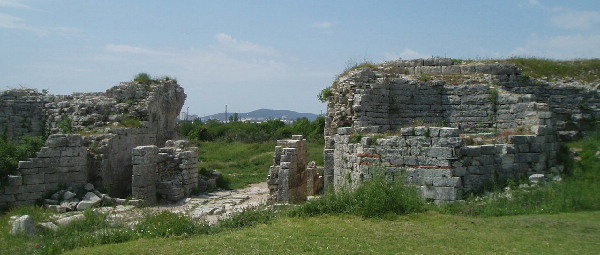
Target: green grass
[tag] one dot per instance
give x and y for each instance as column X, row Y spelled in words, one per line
column 586, row 70
column 426, row 233
column 375, row 198
column 244, row 163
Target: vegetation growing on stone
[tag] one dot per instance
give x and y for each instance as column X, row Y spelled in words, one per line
column 13, row 152
column 586, row 70
column 143, row 78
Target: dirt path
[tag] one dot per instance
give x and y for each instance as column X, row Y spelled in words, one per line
column 207, row 207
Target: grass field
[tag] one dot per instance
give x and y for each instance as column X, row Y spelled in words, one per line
column 425, row 233
column 244, row 163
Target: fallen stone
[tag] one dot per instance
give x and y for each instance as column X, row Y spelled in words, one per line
column 69, row 206
column 536, row 178
column 49, row 225
column 90, row 199
column 67, row 220
column 68, row 195
column 22, row 225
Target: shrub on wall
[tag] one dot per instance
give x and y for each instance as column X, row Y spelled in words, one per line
column 13, row 152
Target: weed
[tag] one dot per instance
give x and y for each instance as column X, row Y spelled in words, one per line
column 425, row 77
column 130, row 122
column 65, row 125
column 143, row 78
column 325, row 94
column 374, row 198
column 356, row 137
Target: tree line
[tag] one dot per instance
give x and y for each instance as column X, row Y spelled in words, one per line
column 247, row 132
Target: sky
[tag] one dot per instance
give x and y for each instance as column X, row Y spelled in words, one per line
column 278, row 54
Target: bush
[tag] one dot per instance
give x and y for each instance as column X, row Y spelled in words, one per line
column 374, row 198
column 143, row 78
column 13, row 152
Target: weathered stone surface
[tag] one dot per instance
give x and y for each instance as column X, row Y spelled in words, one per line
column 90, row 199
column 22, row 225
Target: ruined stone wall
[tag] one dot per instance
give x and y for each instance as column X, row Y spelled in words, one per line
column 60, row 163
column 473, row 97
column 110, row 160
column 169, row 173
column 109, row 125
column 287, row 178
column 21, row 113
column 528, row 116
column 437, row 161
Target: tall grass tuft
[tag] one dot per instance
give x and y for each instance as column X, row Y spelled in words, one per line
column 375, row 198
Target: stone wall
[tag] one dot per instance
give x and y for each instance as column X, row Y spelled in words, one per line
column 437, row 161
column 60, row 163
column 108, row 126
column 473, row 97
column 516, row 123
column 169, row 173
column 287, row 178
column 21, row 113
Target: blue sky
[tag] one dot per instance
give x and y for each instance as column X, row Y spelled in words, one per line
column 269, row 54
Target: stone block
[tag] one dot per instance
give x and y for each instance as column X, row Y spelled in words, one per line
column 519, row 139
column 488, row 149
column 449, row 132
column 55, row 141
column 14, row 180
column 33, row 179
column 47, row 152
column 471, row 151
column 441, row 152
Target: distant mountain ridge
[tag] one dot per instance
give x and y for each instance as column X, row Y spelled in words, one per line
column 265, row 114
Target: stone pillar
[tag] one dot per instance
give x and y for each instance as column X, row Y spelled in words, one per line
column 287, row 177
column 328, row 170
column 144, row 175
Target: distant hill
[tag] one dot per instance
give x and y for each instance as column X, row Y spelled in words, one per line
column 266, row 114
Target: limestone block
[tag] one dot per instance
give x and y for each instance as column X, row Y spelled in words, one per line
column 14, row 180
column 471, row 151
column 519, row 139
column 441, row 152
column 90, row 199
column 488, row 149
column 447, row 181
column 54, row 141
column 448, row 69
column 449, row 132
column 73, row 140
column 48, row 152
column 33, row 179
column 22, row 224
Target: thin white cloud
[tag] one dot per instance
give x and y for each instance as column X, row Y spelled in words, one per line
column 13, row 4
column 582, row 20
column 228, row 42
column 405, row 54
column 530, row 3
column 560, row 47
column 325, row 27
column 121, row 48
column 12, row 22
